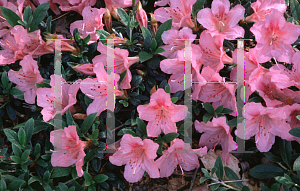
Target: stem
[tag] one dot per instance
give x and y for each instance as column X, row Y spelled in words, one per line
column 130, row 30
column 4, row 104
column 217, row 182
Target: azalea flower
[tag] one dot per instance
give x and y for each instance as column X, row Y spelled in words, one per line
column 220, row 20
column 120, row 3
column 274, row 37
column 122, row 62
column 265, row 123
column 138, row 155
column 19, row 43
column 141, row 16
column 215, row 133
column 179, row 11
column 52, row 6
column 161, row 113
column 292, row 112
column 26, row 78
column 176, row 67
column 46, row 98
column 213, row 54
column 174, row 41
column 96, row 89
column 218, row 92
column 263, row 8
column 74, row 5
column 181, row 154
column 92, row 21
column 69, row 148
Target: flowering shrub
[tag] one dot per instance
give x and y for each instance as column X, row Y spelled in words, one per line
column 109, row 95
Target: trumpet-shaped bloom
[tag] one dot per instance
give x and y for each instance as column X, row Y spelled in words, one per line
column 120, row 3
column 141, row 16
column 69, row 148
column 19, row 43
column 181, row 154
column 96, row 89
column 92, row 21
column 174, row 41
column 161, row 113
column 217, row 92
column 47, row 97
column 26, row 78
column 215, row 133
column 52, row 5
column 74, row 5
column 179, row 11
column 121, row 60
column 274, row 37
column 263, row 8
column 138, row 155
column 220, row 20
column 292, row 111
column 213, row 54
column 265, row 123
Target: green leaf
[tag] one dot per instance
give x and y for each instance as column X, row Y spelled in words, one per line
column 123, row 15
column 87, row 176
column 219, row 168
column 207, row 117
column 29, row 126
column 246, row 188
column 125, row 103
column 46, row 176
column 146, row 33
column 2, row 182
column 141, row 125
column 205, row 172
column 174, row 99
column 296, row 165
column 17, row 151
column 168, row 89
column 41, row 163
column 144, row 56
column 153, row 45
column 87, row 123
column 127, row 131
column 272, row 157
column 232, row 122
column 295, row 8
column 26, row 16
column 10, row 112
column 286, row 180
column 197, row 7
column 95, row 134
column 70, row 120
column 255, row 100
column 286, row 151
column 60, row 172
column 163, row 27
column 16, row 184
column 266, row 171
column 22, row 136
column 16, row 159
column 275, row 187
column 87, row 39
column 219, row 109
column 42, row 85
column 4, row 78
column 38, row 16
column 25, row 155
column 12, row 136
column 62, row 187
column 37, row 151
column 214, row 187
column 170, row 137
column 231, row 175
column 226, row 111
column 203, row 179
column 10, row 16
column 295, row 132
column 208, row 107
column 158, row 50
column 136, row 80
column 15, row 91
column 34, row 179
column 100, row 178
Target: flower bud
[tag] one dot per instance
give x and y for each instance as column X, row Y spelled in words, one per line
column 79, row 116
column 141, row 16
column 117, row 40
column 108, row 20
column 114, row 13
column 153, row 23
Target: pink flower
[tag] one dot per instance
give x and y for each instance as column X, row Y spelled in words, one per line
column 141, row 16
column 138, row 155
column 161, row 3
column 215, row 133
column 46, row 98
column 220, row 20
column 92, row 21
column 265, row 123
column 19, row 43
column 174, row 41
column 176, row 67
column 26, row 78
column 181, row 154
column 161, row 113
column 53, row 6
column 217, row 92
column 213, row 54
column 285, row 77
column 69, row 148
column 97, row 89
column 74, row 5
column 274, row 37
column 120, row 3
column 179, row 11
column 86, row 69
column 292, row 111
column 263, row 8
column 122, row 62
